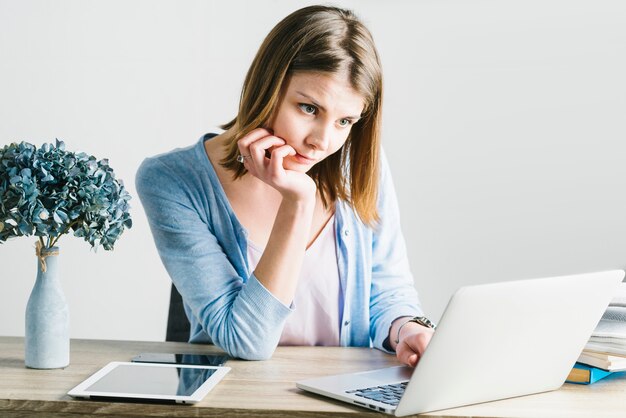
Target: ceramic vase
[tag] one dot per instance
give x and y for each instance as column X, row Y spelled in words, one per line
column 47, row 339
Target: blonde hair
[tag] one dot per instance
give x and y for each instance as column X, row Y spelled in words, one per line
column 320, row 39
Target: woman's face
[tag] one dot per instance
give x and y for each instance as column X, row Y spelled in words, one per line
column 315, row 116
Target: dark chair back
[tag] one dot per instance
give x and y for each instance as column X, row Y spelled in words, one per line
column 177, row 322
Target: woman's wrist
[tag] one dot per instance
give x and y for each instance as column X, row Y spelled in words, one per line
column 393, row 330
column 407, row 328
column 300, row 198
column 298, row 210
column 401, row 328
column 299, row 201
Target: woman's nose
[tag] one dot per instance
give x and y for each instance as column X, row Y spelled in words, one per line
column 320, row 137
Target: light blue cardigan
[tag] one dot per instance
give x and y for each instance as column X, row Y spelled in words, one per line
column 204, row 249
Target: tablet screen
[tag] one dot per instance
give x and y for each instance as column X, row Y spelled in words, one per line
column 152, row 380
column 186, row 384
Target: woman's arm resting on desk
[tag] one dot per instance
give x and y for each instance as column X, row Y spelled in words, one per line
column 240, row 316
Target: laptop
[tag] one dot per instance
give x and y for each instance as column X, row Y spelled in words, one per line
column 494, row 341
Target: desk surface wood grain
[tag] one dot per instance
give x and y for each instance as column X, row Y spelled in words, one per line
column 259, row 388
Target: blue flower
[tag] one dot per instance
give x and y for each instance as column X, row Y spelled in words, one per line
column 49, row 192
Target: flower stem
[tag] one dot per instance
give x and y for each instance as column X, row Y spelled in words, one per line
column 53, row 241
column 56, row 239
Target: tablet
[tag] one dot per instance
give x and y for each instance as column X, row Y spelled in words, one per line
column 170, row 383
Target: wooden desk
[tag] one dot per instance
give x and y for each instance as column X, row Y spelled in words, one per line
column 263, row 388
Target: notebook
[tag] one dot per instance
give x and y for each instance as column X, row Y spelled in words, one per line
column 494, row 341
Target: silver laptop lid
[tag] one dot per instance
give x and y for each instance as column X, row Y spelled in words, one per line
column 508, row 339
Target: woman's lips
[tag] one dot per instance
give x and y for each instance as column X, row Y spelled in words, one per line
column 303, row 160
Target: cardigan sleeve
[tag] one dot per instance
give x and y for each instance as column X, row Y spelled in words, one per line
column 238, row 313
column 393, row 293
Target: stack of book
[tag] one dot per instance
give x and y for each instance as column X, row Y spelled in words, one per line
column 586, row 375
column 605, row 351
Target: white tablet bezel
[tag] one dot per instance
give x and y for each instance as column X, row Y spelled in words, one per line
column 81, row 391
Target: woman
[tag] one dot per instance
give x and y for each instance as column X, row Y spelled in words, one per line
column 284, row 229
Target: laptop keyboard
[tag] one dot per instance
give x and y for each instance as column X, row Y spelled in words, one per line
column 389, row 394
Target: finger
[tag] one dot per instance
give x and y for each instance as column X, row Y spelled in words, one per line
column 278, row 155
column 419, row 341
column 415, row 343
column 243, row 144
column 259, row 148
column 406, row 355
column 254, row 135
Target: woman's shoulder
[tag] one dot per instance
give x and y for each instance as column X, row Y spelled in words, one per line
column 176, row 166
column 183, row 157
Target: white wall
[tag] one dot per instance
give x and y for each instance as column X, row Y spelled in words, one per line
column 504, row 125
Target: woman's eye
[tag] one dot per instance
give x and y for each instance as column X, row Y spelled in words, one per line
column 345, row 122
column 308, row 109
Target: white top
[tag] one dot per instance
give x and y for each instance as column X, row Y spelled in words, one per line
column 317, row 302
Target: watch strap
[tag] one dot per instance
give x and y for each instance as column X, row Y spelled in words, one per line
column 421, row 320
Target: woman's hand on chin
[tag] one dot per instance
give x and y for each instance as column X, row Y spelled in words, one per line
column 264, row 156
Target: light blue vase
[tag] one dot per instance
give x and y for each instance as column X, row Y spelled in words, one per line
column 47, row 337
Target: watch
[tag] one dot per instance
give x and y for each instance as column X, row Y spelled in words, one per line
column 422, row 320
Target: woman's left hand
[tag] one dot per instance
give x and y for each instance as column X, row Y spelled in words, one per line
column 414, row 339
